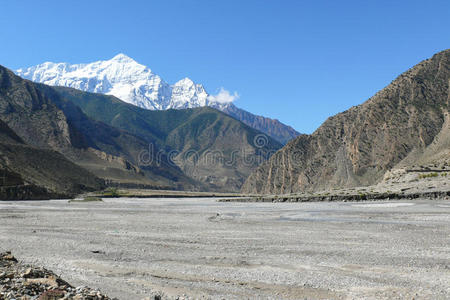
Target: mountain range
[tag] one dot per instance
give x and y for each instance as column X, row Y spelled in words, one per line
column 405, row 125
column 136, row 84
column 58, row 141
column 101, row 140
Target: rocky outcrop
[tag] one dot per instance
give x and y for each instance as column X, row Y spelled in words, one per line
column 33, row 117
column 21, row 281
column 358, row 146
column 125, row 164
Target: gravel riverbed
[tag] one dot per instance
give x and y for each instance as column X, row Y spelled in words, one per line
column 201, row 248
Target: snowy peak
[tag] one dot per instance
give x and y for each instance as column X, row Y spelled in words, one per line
column 122, row 58
column 184, row 82
column 122, row 77
column 187, row 94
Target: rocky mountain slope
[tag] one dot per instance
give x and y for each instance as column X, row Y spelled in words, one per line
column 134, row 83
column 404, row 125
column 206, row 144
column 272, row 127
column 27, row 172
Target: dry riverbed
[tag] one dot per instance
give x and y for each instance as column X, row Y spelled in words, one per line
column 130, row 248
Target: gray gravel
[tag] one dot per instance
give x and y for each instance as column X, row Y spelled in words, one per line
column 130, row 248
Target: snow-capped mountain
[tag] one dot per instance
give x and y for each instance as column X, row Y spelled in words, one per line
column 136, row 84
column 122, row 77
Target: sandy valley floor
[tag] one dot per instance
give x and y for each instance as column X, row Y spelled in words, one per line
column 202, row 248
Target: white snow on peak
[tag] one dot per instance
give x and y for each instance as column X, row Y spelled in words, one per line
column 123, row 58
column 129, row 81
column 187, row 94
column 185, row 81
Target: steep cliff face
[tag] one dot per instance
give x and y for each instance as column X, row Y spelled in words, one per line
column 31, row 115
column 358, row 146
column 27, row 172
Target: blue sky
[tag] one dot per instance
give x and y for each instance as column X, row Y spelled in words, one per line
column 297, row 61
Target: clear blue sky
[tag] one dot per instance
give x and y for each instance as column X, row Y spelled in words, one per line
column 297, row 61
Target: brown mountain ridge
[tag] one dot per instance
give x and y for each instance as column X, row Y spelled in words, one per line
column 405, row 124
